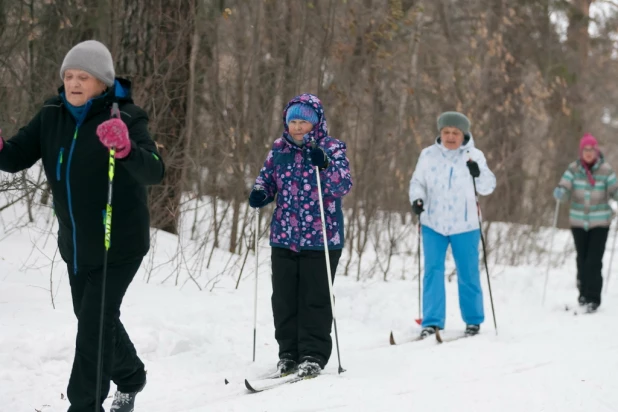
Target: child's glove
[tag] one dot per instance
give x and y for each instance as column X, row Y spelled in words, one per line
column 257, row 198
column 318, row 158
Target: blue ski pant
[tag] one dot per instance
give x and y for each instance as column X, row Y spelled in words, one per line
column 465, row 248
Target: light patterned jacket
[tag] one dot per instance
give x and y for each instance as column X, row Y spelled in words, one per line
column 442, row 180
column 289, row 176
column 590, row 205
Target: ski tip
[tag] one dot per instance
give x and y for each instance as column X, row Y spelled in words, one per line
column 391, row 339
column 226, row 381
column 438, row 336
column 248, row 386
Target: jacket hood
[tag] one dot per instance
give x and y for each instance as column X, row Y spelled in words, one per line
column 466, row 145
column 320, row 130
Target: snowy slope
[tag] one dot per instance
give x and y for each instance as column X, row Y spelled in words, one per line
column 543, row 359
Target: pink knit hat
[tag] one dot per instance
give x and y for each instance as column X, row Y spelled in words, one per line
column 588, row 140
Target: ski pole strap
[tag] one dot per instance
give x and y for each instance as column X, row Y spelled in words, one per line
column 115, row 111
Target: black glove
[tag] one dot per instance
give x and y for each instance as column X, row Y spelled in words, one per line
column 417, row 206
column 473, row 167
column 318, row 158
column 257, row 198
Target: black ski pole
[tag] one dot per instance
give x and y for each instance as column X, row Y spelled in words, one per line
column 419, row 320
column 478, row 212
column 108, row 232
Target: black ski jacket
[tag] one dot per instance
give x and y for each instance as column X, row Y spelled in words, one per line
column 76, row 166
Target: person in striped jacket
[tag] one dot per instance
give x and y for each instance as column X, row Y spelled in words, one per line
column 589, row 183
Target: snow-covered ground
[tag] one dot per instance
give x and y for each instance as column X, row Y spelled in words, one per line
column 543, row 359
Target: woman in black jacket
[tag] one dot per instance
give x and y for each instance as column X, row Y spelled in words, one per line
column 72, row 135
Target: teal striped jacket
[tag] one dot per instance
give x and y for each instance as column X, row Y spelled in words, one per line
column 590, row 205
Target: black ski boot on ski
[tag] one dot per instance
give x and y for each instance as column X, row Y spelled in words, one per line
column 309, row 367
column 428, row 331
column 286, row 366
column 591, row 307
column 125, row 402
column 472, row 330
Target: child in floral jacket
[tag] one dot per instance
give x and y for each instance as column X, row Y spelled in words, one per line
column 301, row 297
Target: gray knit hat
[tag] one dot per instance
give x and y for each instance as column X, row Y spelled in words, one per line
column 454, row 119
column 92, row 57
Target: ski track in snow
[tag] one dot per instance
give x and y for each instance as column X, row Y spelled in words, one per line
column 543, row 359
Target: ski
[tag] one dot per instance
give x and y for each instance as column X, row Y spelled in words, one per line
column 453, row 338
column 270, row 383
column 392, row 341
column 270, row 376
column 437, row 335
column 415, row 339
column 276, row 375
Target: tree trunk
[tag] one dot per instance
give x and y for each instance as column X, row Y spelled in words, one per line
column 156, row 50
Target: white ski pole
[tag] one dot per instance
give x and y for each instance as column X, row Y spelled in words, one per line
column 256, row 224
column 611, row 258
column 330, row 277
column 551, row 245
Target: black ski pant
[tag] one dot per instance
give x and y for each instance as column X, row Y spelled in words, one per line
column 590, row 247
column 120, row 361
column 301, row 304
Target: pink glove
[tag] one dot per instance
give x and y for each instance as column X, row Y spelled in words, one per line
column 114, row 133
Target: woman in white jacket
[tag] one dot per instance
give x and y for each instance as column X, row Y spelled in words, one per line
column 442, row 187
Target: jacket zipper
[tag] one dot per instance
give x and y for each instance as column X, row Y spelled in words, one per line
column 70, row 202
column 59, row 164
column 304, row 151
column 79, row 122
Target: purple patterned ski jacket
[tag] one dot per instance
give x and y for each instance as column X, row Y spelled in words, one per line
column 288, row 174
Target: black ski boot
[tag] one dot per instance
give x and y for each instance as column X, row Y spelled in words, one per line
column 592, row 307
column 582, row 301
column 472, row 330
column 286, row 366
column 428, row 331
column 125, row 402
column 309, row 367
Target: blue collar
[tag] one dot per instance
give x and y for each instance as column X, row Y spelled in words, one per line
column 79, row 112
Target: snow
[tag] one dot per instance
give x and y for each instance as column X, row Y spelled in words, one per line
column 544, row 358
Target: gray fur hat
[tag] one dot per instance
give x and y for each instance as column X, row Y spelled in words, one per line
column 454, row 119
